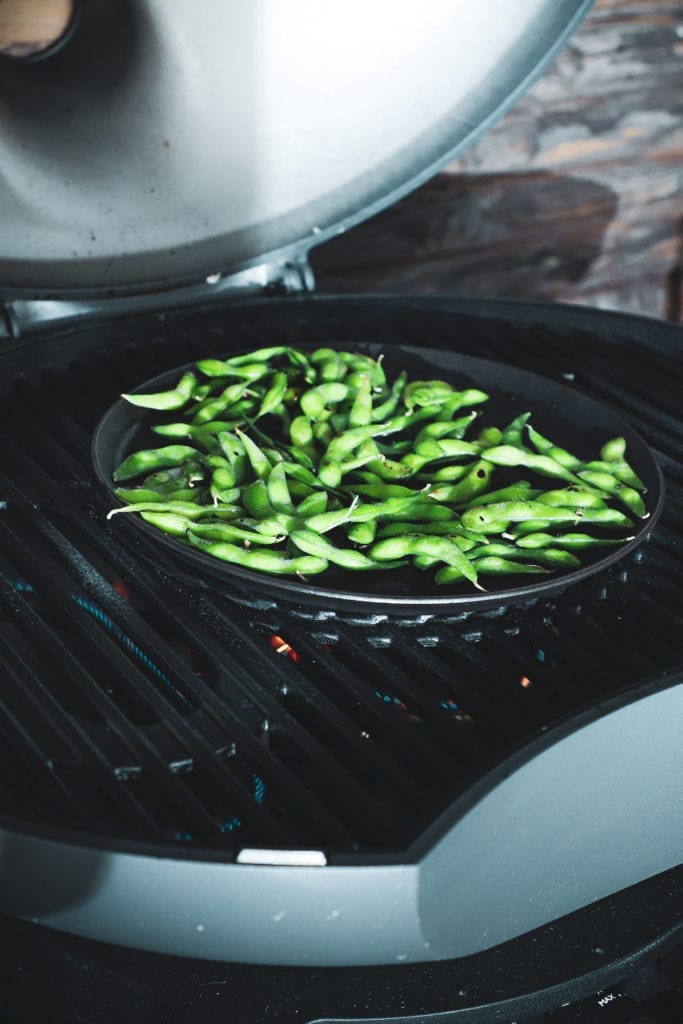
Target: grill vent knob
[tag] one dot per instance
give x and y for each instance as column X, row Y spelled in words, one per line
column 33, row 29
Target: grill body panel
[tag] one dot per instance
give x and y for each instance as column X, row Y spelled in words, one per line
column 146, row 709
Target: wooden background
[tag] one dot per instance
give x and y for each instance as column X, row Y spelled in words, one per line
column 576, row 195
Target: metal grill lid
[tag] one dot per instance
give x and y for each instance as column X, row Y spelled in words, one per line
column 168, row 142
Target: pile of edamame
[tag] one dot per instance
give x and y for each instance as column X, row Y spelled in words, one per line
column 288, row 462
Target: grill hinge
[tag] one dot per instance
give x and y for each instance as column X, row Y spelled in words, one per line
column 20, row 318
column 8, row 325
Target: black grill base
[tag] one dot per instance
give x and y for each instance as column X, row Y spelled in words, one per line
column 630, row 943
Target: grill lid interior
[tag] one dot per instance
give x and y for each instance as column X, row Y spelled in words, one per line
column 158, row 147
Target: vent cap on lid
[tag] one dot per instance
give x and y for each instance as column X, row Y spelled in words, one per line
column 167, row 142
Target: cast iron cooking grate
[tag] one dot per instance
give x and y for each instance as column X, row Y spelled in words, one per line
column 142, row 704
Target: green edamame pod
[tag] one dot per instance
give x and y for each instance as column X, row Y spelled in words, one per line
column 329, row 473
column 301, row 361
column 461, row 400
column 383, row 490
column 168, row 522
column 178, row 430
column 571, row 497
column 365, row 455
column 314, row 401
column 324, row 355
column 558, row 559
column 573, row 541
column 438, row 529
column 627, row 495
column 522, row 529
column 387, row 408
column 609, row 518
column 274, row 395
column 447, row 474
column 474, row 483
column 488, row 438
column 544, row 465
column 333, row 370
column 389, row 470
column 613, row 450
column 360, row 513
column 447, row 447
column 440, row 548
column 259, row 355
column 180, row 508
column 424, row 562
column 259, row 463
column 167, row 401
column 278, row 525
column 363, row 533
column 323, row 432
column 299, row 473
column 446, row 428
column 551, row 556
column 222, row 482
column 252, row 371
column 521, row 491
column 424, row 511
column 447, row 574
column 137, row 495
column 278, row 491
column 349, row 440
column 231, row 533
column 193, row 494
column 300, row 491
column 514, row 432
column 313, row 544
column 203, row 391
column 426, row 392
column 361, row 410
column 413, row 463
column 210, row 408
column 262, row 561
column 255, row 500
column 493, row 566
column 301, row 432
column 153, row 459
column 481, row 517
column 230, row 445
column 619, row 470
column 545, row 447
column 314, row 505
column 207, row 432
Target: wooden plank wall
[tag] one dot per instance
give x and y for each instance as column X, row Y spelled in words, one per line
column 576, row 195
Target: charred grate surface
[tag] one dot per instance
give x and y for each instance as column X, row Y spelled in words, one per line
column 141, row 704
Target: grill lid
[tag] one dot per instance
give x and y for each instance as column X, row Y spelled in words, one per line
column 159, row 147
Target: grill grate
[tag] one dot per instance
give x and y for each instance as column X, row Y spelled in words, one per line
column 142, row 704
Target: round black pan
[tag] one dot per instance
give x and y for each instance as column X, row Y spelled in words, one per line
column 569, row 418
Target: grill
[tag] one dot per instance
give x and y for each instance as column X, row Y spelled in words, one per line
column 148, row 710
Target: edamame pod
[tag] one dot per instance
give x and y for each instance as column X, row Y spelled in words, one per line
column 439, row 548
column 167, row 401
column 152, row 459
